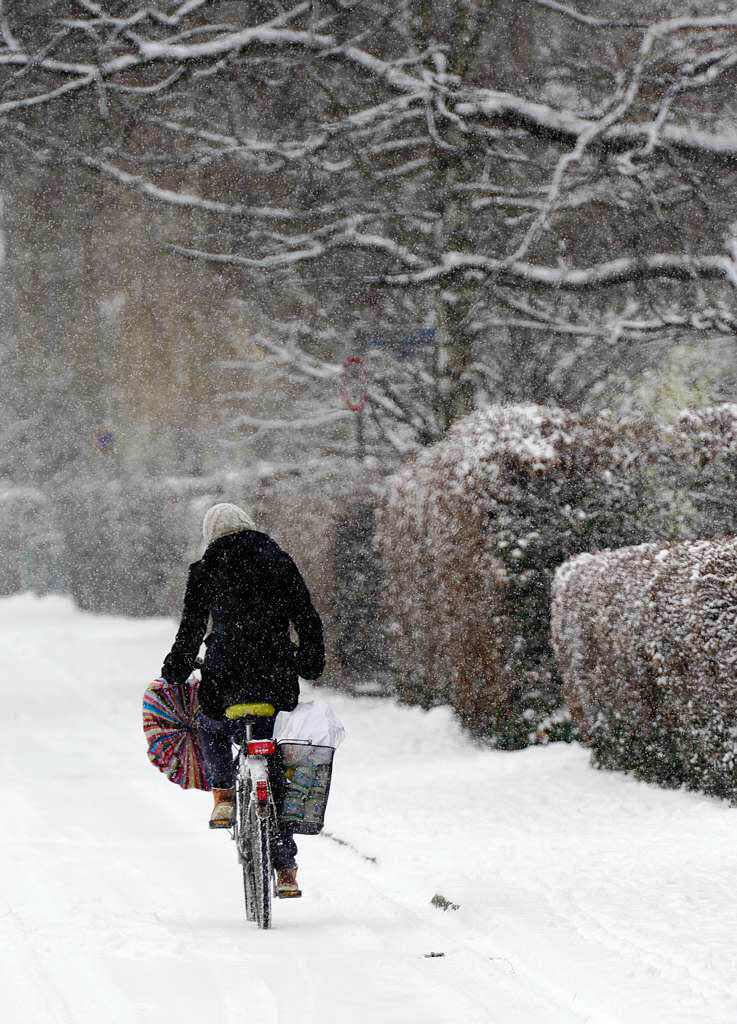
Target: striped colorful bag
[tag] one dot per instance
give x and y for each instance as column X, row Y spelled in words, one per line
column 169, row 712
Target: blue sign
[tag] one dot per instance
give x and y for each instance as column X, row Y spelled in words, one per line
column 400, row 341
column 105, row 441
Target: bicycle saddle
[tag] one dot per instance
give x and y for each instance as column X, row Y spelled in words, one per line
column 243, row 710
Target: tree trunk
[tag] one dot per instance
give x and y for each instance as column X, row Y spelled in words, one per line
column 455, row 392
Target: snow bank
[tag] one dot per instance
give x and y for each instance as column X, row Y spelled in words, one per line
column 645, row 639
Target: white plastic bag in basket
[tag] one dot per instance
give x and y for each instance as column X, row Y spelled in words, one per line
column 312, row 721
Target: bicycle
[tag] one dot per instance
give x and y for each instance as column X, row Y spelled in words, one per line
column 256, row 825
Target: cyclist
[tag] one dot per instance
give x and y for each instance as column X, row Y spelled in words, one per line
column 249, row 591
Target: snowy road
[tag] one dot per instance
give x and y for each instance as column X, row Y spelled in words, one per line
column 583, row 897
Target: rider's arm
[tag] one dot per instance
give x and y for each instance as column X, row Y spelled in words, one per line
column 180, row 661
column 306, row 621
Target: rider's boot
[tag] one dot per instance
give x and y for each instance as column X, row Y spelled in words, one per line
column 286, row 884
column 224, row 810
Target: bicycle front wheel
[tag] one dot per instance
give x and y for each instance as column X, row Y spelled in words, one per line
column 258, row 829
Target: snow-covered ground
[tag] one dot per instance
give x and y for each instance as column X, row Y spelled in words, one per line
column 581, row 896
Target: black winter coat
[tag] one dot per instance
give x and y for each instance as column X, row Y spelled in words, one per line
column 253, row 590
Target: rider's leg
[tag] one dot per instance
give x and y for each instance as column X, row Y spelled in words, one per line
column 214, row 736
column 285, row 850
column 282, row 856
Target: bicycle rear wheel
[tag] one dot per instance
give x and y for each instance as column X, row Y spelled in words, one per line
column 258, row 829
column 243, row 844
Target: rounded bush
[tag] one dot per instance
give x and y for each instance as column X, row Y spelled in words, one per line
column 646, row 643
column 472, row 532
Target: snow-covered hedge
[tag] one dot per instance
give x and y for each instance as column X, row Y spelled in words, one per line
column 123, row 545
column 646, row 641
column 30, row 542
column 472, row 532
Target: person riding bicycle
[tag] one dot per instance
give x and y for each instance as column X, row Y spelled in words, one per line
column 249, row 591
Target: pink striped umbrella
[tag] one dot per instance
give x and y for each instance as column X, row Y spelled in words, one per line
column 169, row 712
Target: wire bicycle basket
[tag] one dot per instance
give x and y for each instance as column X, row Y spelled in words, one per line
column 307, row 738
column 308, row 772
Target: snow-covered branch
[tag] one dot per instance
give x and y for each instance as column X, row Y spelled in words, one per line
column 391, row 150
column 299, row 423
column 672, row 266
column 459, row 265
column 586, row 19
column 452, row 99
column 569, row 127
column 5, row 31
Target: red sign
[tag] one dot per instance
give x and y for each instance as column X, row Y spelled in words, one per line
column 354, row 388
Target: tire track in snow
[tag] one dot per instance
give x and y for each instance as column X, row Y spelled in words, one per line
column 516, row 996
column 706, row 987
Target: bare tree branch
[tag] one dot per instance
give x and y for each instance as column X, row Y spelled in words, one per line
column 617, row 271
column 586, row 19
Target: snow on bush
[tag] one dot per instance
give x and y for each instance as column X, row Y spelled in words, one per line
column 646, row 643
column 472, row 532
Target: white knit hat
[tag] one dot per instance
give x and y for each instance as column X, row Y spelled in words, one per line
column 225, row 518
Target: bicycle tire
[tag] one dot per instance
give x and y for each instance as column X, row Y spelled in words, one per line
column 243, row 846
column 261, row 860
